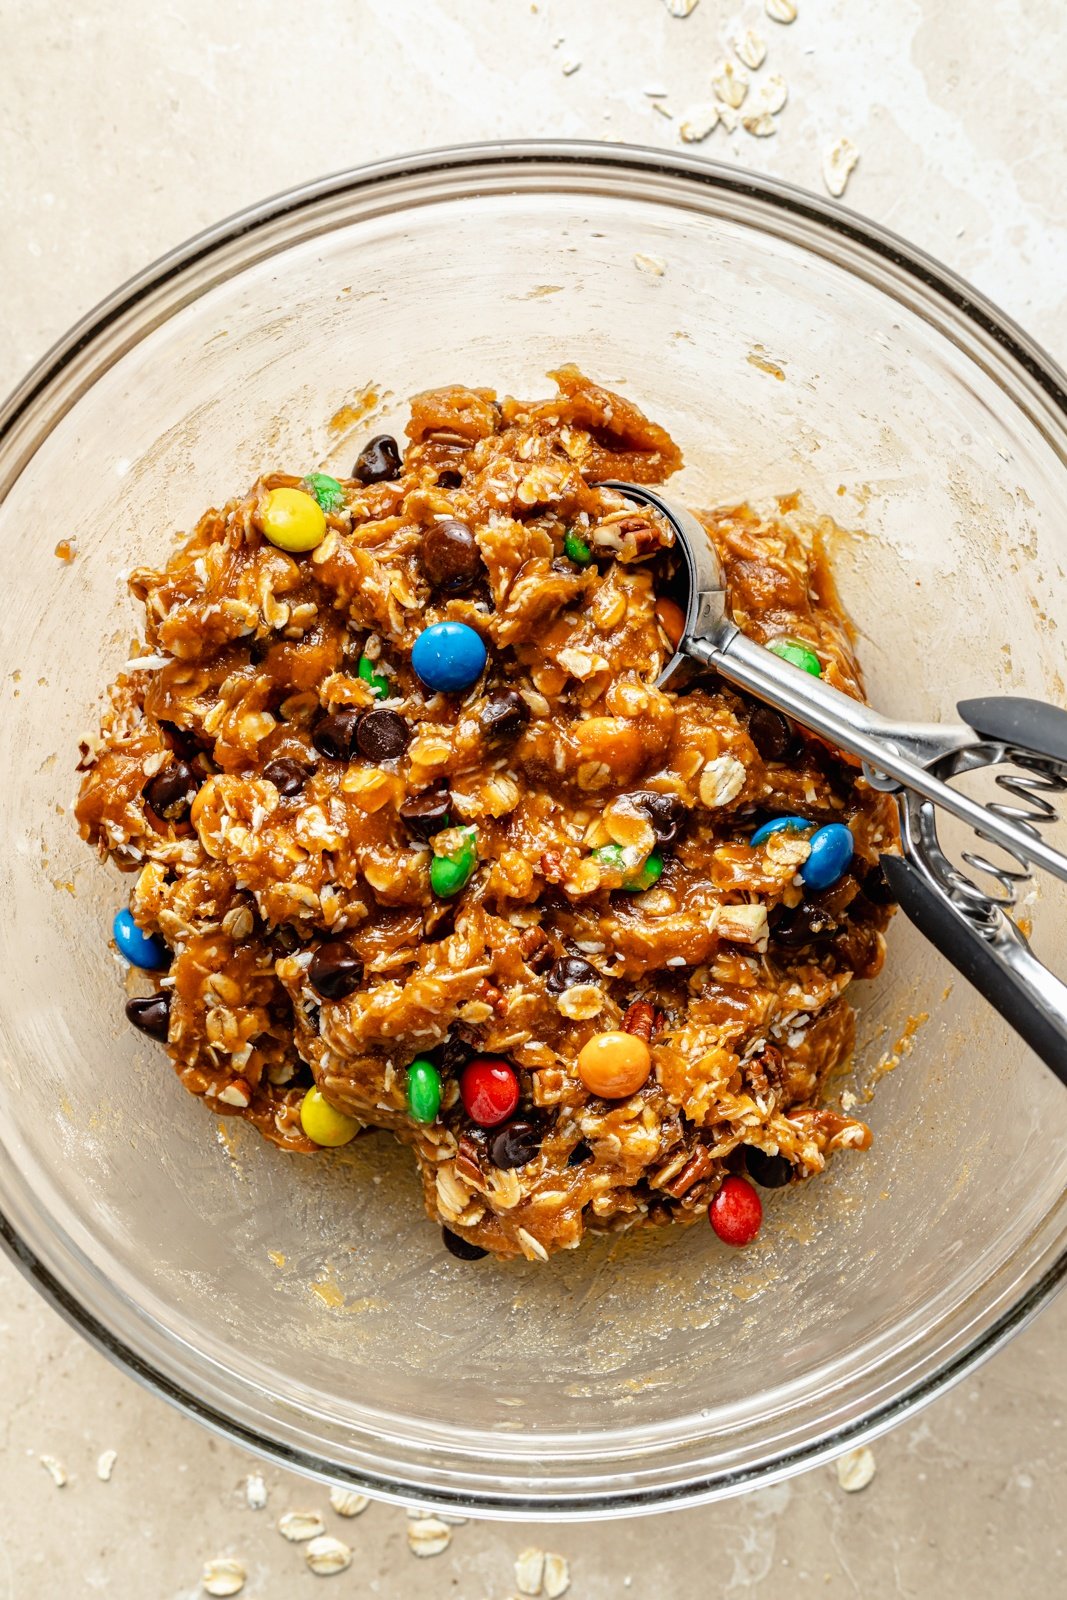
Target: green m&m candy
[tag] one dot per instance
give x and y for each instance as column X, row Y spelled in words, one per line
column 423, row 1090
column 378, row 683
column 449, row 874
column 798, row 654
column 327, row 490
column 576, row 550
column 638, row 872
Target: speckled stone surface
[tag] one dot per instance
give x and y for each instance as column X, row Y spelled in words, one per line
column 126, row 128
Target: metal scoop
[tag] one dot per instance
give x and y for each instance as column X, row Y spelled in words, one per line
column 969, row 924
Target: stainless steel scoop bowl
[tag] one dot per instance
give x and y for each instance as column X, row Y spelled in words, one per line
column 971, row 924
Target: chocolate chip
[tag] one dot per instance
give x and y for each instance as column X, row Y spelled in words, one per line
column 335, row 971
column 453, row 1055
column 171, row 792
column 770, row 1172
column 450, row 556
column 568, row 971
column 151, row 1014
column 288, row 777
column 378, row 461
column 284, row 940
column 426, row 814
column 579, row 1154
column 875, row 886
column 773, row 735
column 666, row 813
column 462, row 1249
column 334, row 735
column 449, row 480
column 504, row 715
column 382, row 735
column 515, row 1144
column 803, row 924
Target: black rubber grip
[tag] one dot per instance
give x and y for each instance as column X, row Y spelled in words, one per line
column 1030, row 724
column 972, row 956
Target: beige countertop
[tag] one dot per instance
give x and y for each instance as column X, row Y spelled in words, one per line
column 126, row 128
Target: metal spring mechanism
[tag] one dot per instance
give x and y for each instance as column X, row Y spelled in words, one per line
column 1030, row 785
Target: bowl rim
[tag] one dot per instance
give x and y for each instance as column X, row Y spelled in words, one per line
column 778, row 196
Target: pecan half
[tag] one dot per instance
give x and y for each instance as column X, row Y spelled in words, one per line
column 492, row 996
column 640, row 1019
column 700, row 1165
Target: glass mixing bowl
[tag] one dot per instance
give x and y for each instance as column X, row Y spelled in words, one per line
column 306, row 1307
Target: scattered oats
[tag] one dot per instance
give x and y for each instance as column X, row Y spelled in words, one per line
column 429, row 1536
column 699, row 123
column 347, row 1503
column 255, row 1491
column 224, row 1575
column 837, row 165
column 570, row 67
column 771, row 95
column 848, row 1100
column 664, row 111
column 105, row 1465
column 655, row 94
column 681, row 8
column 750, row 49
column 728, row 117
column 529, row 1570
column 760, row 127
column 855, row 1470
column 57, row 1470
column 299, row 1526
column 781, row 10
column 557, row 1576
column 654, row 266
column 730, row 84
column 327, row 1555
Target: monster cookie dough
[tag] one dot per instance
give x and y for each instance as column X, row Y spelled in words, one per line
column 420, row 847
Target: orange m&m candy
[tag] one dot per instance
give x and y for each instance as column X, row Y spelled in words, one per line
column 671, row 619
column 614, row 1065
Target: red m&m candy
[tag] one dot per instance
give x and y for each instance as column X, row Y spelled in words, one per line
column 736, row 1212
column 489, row 1090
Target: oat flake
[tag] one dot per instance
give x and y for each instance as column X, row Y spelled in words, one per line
column 654, row 266
column 760, row 127
column 681, row 8
column 730, row 84
column 347, row 1503
column 855, row 1470
column 557, row 1576
column 299, row 1526
column 529, row 1570
column 429, row 1536
column 771, row 95
column 781, row 10
column 105, row 1465
column 327, row 1555
column 837, row 165
column 750, row 49
column 699, row 123
column 55, row 1469
column 222, row 1576
column 255, row 1491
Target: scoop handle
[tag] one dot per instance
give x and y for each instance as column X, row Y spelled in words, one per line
column 1030, row 998
column 1015, row 720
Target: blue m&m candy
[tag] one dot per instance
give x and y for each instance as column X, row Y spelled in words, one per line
column 832, row 849
column 448, row 656
column 140, row 949
column 780, row 825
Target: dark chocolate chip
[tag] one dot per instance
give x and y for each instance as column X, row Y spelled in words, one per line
column 453, row 1055
column 666, row 812
column 770, row 1172
column 171, row 792
column 382, row 735
column 285, row 940
column 449, row 480
column 426, row 814
column 504, row 715
column 581, row 1153
column 568, row 971
column 803, row 924
column 287, row 776
column 462, row 1249
column 875, row 886
column 151, row 1014
column 335, row 972
column 450, row 556
column 774, row 737
column 515, row 1144
column 335, row 734
column 378, row 461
